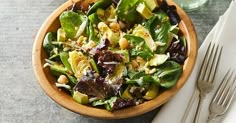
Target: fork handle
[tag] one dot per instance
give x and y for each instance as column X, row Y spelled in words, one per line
column 190, row 103
column 211, row 117
column 199, row 106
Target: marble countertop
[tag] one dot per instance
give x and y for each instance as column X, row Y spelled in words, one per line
column 21, row 98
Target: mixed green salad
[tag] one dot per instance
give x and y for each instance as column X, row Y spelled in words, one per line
column 116, row 53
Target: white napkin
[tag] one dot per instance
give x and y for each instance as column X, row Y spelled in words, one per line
column 224, row 32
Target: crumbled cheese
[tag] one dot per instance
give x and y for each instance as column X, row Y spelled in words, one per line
column 150, row 71
column 46, row 65
column 63, row 85
column 89, row 45
column 158, row 43
column 113, row 62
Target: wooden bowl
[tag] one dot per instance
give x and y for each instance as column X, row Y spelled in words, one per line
column 46, row 80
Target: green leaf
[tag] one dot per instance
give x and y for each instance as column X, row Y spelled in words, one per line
column 183, row 41
column 93, row 20
column 98, row 103
column 47, row 42
column 64, row 56
column 93, row 65
column 58, row 70
column 168, row 73
column 126, row 10
column 141, row 78
column 159, row 26
column 149, row 24
column 163, row 35
column 135, row 75
column 140, row 47
column 70, row 22
column 99, row 4
column 108, row 104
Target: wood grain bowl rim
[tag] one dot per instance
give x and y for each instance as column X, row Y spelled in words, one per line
column 66, row 100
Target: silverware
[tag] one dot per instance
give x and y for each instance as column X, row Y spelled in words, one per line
column 206, row 76
column 193, row 97
column 205, row 79
column 223, row 97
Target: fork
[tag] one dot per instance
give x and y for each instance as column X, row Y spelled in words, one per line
column 223, row 97
column 206, row 75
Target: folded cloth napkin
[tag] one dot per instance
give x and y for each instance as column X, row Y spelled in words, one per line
column 224, row 32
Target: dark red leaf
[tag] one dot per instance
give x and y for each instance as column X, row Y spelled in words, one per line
column 121, row 103
column 94, row 86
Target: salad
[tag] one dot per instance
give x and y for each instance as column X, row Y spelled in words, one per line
column 116, row 53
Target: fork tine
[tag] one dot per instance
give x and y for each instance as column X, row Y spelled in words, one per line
column 215, row 63
column 224, row 90
column 205, row 62
column 216, row 96
column 229, row 91
column 225, row 95
column 209, row 62
column 231, row 95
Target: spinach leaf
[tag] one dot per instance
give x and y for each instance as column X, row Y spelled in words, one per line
column 98, row 103
column 93, row 20
column 140, row 47
column 64, row 56
column 47, row 42
column 135, row 75
column 58, row 70
column 99, row 4
column 126, row 10
column 113, row 103
column 108, row 104
column 141, row 78
column 50, row 48
column 168, row 73
column 159, row 26
column 70, row 22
